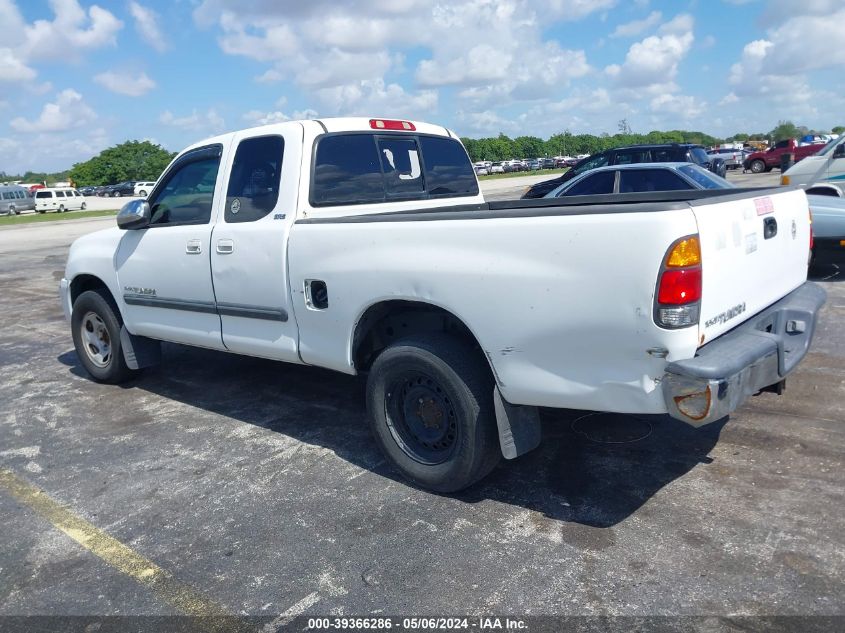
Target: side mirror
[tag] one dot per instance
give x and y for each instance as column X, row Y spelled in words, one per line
column 134, row 215
column 839, row 151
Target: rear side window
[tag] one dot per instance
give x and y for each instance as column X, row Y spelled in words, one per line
column 366, row 168
column 447, row 168
column 594, row 184
column 43, row 194
column 635, row 180
column 254, row 184
column 632, row 156
column 590, row 163
column 60, row 194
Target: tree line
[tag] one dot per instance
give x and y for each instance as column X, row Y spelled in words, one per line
column 503, row 147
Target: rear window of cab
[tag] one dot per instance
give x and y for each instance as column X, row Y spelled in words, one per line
column 362, row 168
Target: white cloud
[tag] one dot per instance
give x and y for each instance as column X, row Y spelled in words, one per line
column 71, row 33
column 634, row 28
column 728, row 99
column 146, row 23
column 257, row 117
column 687, row 107
column 68, row 112
column 208, row 121
column 377, row 98
column 655, row 59
column 125, row 84
column 335, row 51
column 12, row 68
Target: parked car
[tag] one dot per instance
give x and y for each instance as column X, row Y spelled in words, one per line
column 144, row 188
column 640, row 177
column 126, row 188
column 14, row 199
column 733, row 157
column 758, row 162
column 657, row 153
column 497, row 168
column 59, row 199
column 480, row 170
column 828, row 226
column 823, row 172
column 89, row 190
column 542, row 303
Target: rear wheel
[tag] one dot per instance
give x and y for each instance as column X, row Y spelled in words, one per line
column 757, row 166
column 95, row 326
column 430, row 404
column 142, row 193
column 61, row 208
column 83, row 207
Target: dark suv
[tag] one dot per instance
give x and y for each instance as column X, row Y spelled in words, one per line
column 126, row 188
column 662, row 153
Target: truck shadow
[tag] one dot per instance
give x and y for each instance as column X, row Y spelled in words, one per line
column 827, row 271
column 593, row 469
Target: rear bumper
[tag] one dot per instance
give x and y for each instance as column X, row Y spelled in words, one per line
column 758, row 353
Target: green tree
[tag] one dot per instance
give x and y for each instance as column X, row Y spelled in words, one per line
column 839, row 129
column 132, row 160
column 784, row 130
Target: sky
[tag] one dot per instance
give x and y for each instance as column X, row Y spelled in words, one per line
column 77, row 77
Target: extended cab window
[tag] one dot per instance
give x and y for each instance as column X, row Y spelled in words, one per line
column 188, row 192
column 635, row 180
column 254, row 184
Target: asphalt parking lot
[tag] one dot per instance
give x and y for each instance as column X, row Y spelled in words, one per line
column 242, row 486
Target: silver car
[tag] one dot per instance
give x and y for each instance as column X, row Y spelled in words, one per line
column 14, row 199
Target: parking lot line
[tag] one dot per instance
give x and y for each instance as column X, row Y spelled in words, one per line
column 111, row 551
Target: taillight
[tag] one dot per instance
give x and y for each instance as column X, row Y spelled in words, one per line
column 677, row 302
column 812, row 239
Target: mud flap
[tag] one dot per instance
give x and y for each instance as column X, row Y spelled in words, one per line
column 139, row 351
column 519, row 426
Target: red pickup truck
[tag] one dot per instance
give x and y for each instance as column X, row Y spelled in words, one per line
column 759, row 162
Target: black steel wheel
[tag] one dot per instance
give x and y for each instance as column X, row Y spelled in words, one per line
column 430, row 404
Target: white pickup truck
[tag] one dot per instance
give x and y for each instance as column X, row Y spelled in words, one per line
column 365, row 246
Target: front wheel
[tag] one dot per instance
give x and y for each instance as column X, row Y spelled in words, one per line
column 95, row 326
column 83, row 207
column 757, row 167
column 430, row 404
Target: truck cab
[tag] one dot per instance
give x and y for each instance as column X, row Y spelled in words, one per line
column 823, row 173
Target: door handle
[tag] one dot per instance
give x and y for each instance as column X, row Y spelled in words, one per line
column 194, row 247
column 225, row 247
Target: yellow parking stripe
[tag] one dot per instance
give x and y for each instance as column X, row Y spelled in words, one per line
column 116, row 554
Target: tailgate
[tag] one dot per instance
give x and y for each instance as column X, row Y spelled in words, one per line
column 754, row 250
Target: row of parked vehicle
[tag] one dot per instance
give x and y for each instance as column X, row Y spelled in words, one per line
column 125, row 188
column 486, row 167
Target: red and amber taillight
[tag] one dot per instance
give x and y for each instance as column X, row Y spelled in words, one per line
column 677, row 302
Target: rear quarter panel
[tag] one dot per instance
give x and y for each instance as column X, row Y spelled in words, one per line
column 561, row 305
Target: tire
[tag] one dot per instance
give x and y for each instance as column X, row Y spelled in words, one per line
column 143, row 194
column 430, row 406
column 83, row 207
column 116, row 194
column 98, row 348
column 757, row 166
column 61, row 208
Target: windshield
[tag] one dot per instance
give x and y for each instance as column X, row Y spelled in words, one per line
column 830, row 145
column 703, row 178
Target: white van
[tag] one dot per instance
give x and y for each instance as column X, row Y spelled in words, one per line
column 60, row 200
column 143, row 189
column 14, row 199
column 823, row 172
